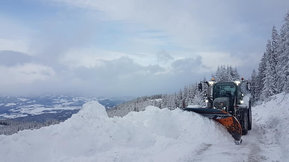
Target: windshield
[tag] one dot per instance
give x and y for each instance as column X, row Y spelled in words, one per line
column 224, row 90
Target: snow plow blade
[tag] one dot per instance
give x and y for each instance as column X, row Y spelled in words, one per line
column 227, row 120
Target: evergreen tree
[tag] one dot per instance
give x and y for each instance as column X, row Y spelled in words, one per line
column 198, row 98
column 273, row 71
column 283, row 56
column 226, row 74
column 273, row 60
column 235, row 75
column 260, row 77
column 268, row 88
column 254, row 85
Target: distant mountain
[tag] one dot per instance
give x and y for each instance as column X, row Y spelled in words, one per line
column 15, row 107
column 19, row 113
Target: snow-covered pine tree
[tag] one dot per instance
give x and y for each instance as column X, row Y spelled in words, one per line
column 185, row 95
column 191, row 94
column 268, row 85
column 273, row 71
column 273, row 60
column 235, row 74
column 229, row 73
column 226, row 73
column 260, row 77
column 172, row 101
column 253, row 85
column 220, row 74
column 283, row 52
column 198, row 98
column 179, row 99
column 281, row 58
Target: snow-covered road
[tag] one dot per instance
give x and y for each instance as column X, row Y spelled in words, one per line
column 152, row 135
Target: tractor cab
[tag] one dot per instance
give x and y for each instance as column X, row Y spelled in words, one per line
column 224, row 96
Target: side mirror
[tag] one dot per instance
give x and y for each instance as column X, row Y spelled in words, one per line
column 200, row 87
column 248, row 86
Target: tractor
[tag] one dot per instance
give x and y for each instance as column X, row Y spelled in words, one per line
column 229, row 104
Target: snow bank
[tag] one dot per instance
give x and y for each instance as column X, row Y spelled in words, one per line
column 272, row 118
column 152, row 135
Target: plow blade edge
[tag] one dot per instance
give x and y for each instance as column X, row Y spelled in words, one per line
column 227, row 120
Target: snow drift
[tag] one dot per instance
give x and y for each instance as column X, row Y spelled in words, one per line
column 152, row 135
column 272, row 122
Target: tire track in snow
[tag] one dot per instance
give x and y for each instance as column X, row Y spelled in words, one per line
column 253, row 149
column 263, row 144
column 254, row 140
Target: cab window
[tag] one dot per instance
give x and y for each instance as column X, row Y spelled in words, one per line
column 224, row 90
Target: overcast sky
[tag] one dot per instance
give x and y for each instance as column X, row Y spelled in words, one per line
column 128, row 47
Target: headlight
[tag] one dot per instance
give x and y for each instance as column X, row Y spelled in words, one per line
column 206, row 101
column 237, row 82
column 211, row 83
column 241, row 101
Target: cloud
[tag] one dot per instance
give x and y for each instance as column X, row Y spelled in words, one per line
column 117, row 70
column 215, row 26
column 187, row 65
column 121, row 76
column 191, row 23
column 124, row 76
column 24, row 74
column 12, row 58
column 164, row 57
column 14, row 45
column 87, row 57
column 211, row 60
column 14, row 36
column 130, row 47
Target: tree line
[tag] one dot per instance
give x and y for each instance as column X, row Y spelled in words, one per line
column 272, row 75
column 189, row 95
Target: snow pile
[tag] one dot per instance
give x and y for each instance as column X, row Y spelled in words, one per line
column 272, row 120
column 152, row 135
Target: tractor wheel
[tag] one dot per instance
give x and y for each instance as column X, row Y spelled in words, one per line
column 249, row 117
column 245, row 123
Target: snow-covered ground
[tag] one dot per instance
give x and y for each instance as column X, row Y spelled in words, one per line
column 36, row 109
column 15, row 107
column 152, row 135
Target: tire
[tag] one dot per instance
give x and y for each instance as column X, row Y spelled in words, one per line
column 249, row 117
column 245, row 123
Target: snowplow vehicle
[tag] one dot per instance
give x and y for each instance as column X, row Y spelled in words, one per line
column 227, row 104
